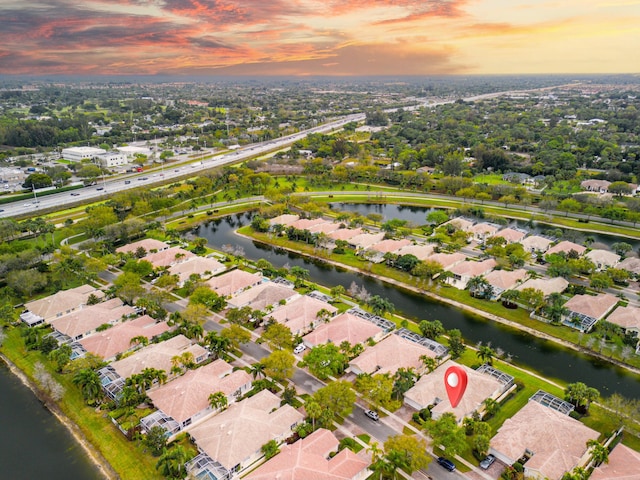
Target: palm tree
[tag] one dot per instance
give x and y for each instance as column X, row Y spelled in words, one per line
column 139, row 340
column 509, row 298
column 172, row 463
column 486, row 354
column 314, row 411
column 491, row 407
column 555, row 308
column 478, row 286
column 218, row 344
column 89, row 382
column 218, row 400
column 257, row 370
column 599, row 453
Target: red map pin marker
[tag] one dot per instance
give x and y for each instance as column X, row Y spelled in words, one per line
column 455, row 380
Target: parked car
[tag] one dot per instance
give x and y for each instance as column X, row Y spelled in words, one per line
column 448, row 464
column 127, row 182
column 372, row 415
column 300, row 348
column 487, row 462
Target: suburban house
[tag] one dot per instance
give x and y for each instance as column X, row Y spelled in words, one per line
column 465, row 271
column 459, row 223
column 586, row 310
column 306, row 223
column 390, row 245
column 603, row 259
column 117, row 339
column 167, row 258
column 62, row 302
column 345, row 234
column 185, row 400
column 511, row 235
column 431, row 390
column 482, row 231
column 546, row 285
column 599, row 186
column 326, row 228
column 447, row 260
column 234, row 282
column 501, row 280
column 314, row 457
column 156, row 355
column 149, row 245
column 630, row 264
column 565, row 247
column 263, row 295
column 344, row 327
column 365, row 240
column 390, row 354
column 231, row 442
column 201, row 266
column 81, row 323
column 536, row 244
column 543, row 434
column 284, row 219
column 624, row 464
column 420, row 251
column 301, row 314
column 627, row 318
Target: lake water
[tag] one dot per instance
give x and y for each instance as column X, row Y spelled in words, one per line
column 546, row 357
column 33, row 443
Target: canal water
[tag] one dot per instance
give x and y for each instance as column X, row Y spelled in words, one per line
column 33, row 443
column 549, row 359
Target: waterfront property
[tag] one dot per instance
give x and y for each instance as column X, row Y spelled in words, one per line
column 314, row 457
column 167, row 258
column 603, row 259
column 465, row 271
column 231, row 442
column 62, row 302
column 586, row 310
column 624, row 464
column 502, row 280
column 185, row 400
column 430, row 390
column 544, row 438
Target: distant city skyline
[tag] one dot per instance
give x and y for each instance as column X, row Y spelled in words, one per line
column 313, row 37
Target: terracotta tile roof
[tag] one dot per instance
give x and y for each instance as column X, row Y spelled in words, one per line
column 233, row 282
column 389, row 355
column 148, row 244
column 626, row 317
column 86, row 320
column 510, row 235
column 594, row 306
column 505, row 279
column 460, row 223
column 390, row 246
column 196, row 265
column 188, row 394
column 344, row 327
column 632, row 264
column 624, row 464
column 326, row 227
column 308, row 459
column 345, row 233
column 262, row 295
column 483, row 229
column 546, row 285
column 167, row 257
column 299, row 314
column 285, row 219
column 421, row 252
column 306, row 223
column 117, row 339
column 62, row 302
column 473, row 268
column 536, row 242
column 603, row 258
column 366, row 240
column 157, row 355
column 556, row 440
column 565, row 247
column 447, row 260
column 238, row 433
column 430, row 389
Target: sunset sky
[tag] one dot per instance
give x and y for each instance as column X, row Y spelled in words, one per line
column 319, row 37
